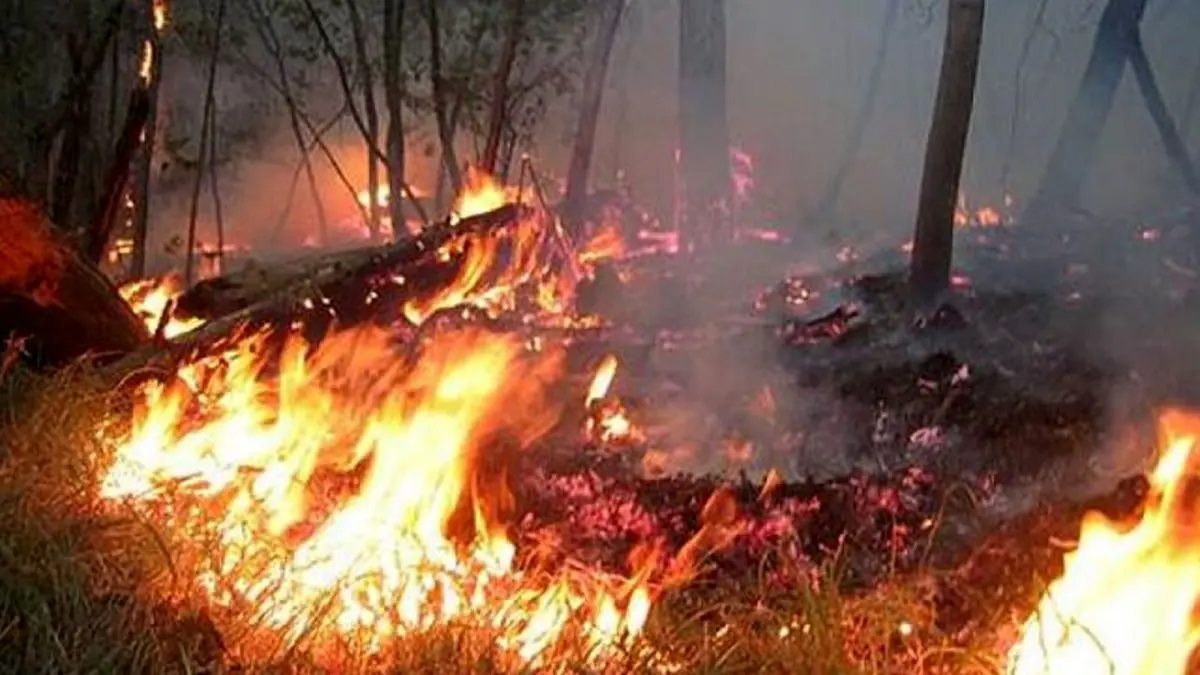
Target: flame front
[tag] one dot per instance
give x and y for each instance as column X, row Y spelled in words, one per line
column 1126, row 602
column 345, row 497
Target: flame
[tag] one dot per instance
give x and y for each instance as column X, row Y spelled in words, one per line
column 151, row 298
column 492, row 268
column 1125, row 604
column 160, row 15
column 606, row 244
column 482, row 193
column 146, row 66
column 608, row 421
column 346, row 496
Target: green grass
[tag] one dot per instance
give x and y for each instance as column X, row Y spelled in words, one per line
column 74, row 580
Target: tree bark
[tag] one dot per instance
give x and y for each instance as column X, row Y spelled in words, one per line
column 445, row 127
column 1172, row 142
column 933, row 241
column 499, row 103
column 703, row 124
column 589, row 114
column 1073, row 154
column 393, row 87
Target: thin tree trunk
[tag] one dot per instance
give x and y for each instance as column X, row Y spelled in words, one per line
column 116, row 181
column 1075, row 150
column 499, row 103
column 215, row 187
column 589, row 115
column 206, row 129
column 1167, row 131
column 703, row 124
column 141, row 188
column 829, row 198
column 933, row 241
column 393, row 87
column 372, row 116
column 1189, row 108
column 456, row 110
column 270, row 40
column 445, row 130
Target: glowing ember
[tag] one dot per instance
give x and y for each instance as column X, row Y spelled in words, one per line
column 345, row 499
column 1126, row 602
column 151, row 298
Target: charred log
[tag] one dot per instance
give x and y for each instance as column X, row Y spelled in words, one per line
column 54, row 296
column 336, row 289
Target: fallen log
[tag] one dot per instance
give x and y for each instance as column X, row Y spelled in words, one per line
column 51, row 295
column 337, row 291
column 220, row 296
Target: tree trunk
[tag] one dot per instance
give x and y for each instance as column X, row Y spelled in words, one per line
column 589, row 114
column 445, row 127
column 372, row 116
column 116, row 180
column 1157, row 107
column 56, row 298
column 145, row 163
column 828, row 202
column 207, row 127
column 933, row 241
column 1075, row 150
column 703, row 124
column 499, row 103
column 393, row 87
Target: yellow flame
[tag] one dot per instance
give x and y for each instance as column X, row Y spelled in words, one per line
column 1125, row 604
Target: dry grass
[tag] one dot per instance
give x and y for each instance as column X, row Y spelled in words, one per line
column 73, row 581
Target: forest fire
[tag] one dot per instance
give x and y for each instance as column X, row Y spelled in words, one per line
column 152, row 298
column 1126, row 602
column 358, row 497
column 345, row 494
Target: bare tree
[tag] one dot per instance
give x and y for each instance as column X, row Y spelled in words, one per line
column 1062, row 183
column 207, row 129
column 371, row 112
column 442, row 117
column 499, row 102
column 393, row 87
column 703, row 123
column 153, row 26
column 1168, row 132
column 858, row 130
column 933, row 241
column 589, row 115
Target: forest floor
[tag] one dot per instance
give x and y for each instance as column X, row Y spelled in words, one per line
column 930, row 467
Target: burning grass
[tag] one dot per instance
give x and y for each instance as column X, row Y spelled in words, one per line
column 81, row 586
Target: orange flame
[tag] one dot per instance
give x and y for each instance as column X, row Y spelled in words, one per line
column 493, row 267
column 608, row 420
column 151, row 298
column 418, row 541
column 1126, row 602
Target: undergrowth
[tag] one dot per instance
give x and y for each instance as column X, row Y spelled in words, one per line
column 74, row 579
